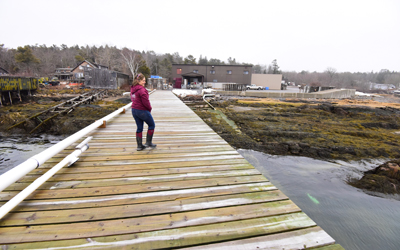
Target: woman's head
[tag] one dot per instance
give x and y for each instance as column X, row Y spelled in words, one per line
column 139, row 79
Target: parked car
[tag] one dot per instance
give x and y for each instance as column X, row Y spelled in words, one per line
column 254, row 87
column 54, row 81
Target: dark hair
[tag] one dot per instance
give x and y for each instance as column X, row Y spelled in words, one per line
column 138, row 78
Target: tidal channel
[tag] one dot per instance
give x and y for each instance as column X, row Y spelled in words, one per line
column 16, row 149
column 355, row 219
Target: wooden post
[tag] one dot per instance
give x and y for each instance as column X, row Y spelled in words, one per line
column 19, row 94
column 104, row 125
column 9, row 95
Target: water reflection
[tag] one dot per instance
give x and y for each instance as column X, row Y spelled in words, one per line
column 353, row 218
column 17, row 149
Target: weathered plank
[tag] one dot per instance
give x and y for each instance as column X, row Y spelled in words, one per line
column 117, row 166
column 131, row 150
column 135, row 198
column 107, row 181
column 126, row 189
column 136, row 210
column 146, row 156
column 95, row 173
column 143, row 223
column 154, row 160
column 298, row 239
column 187, row 236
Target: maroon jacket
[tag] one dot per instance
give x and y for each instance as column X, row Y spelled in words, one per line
column 140, row 98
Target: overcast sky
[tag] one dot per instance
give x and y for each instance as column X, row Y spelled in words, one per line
column 348, row 35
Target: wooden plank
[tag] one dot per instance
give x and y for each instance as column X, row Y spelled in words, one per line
column 151, row 160
column 131, row 150
column 136, row 210
column 126, row 189
column 166, row 145
column 298, row 239
column 106, row 181
column 180, row 237
column 161, row 168
column 145, row 156
column 144, row 223
column 88, row 174
column 118, row 166
column 135, row 198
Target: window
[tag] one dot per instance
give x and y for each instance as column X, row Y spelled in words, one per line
column 179, row 71
column 80, row 67
column 246, row 72
column 229, row 72
column 212, row 72
column 195, row 71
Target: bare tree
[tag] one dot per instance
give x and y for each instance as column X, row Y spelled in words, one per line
column 152, row 61
column 104, row 56
column 393, row 78
column 7, row 60
column 331, row 72
column 132, row 59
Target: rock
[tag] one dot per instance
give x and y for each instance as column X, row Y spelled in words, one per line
column 384, row 178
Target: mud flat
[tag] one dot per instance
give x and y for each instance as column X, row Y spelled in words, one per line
column 67, row 124
column 335, row 129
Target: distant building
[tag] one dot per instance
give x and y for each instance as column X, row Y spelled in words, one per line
column 77, row 73
column 63, row 74
column 79, row 70
column 104, row 78
column 383, row 86
column 272, row 81
column 188, row 75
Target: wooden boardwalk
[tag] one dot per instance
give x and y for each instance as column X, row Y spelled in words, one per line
column 192, row 191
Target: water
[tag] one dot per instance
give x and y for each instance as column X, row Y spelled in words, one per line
column 15, row 150
column 356, row 220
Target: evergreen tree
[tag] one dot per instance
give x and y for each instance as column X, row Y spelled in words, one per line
column 275, row 67
column 189, row 60
column 24, row 56
column 203, row 61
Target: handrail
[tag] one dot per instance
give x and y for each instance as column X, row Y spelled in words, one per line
column 70, row 159
column 35, row 161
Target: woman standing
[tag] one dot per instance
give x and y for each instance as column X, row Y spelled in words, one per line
column 141, row 109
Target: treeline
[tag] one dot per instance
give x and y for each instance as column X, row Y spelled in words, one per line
column 364, row 82
column 41, row 60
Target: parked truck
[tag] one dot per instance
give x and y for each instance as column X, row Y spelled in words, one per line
column 254, row 87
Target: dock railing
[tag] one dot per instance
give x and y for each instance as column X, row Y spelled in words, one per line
column 35, row 161
column 69, row 160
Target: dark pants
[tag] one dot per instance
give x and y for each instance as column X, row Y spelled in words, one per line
column 143, row 116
